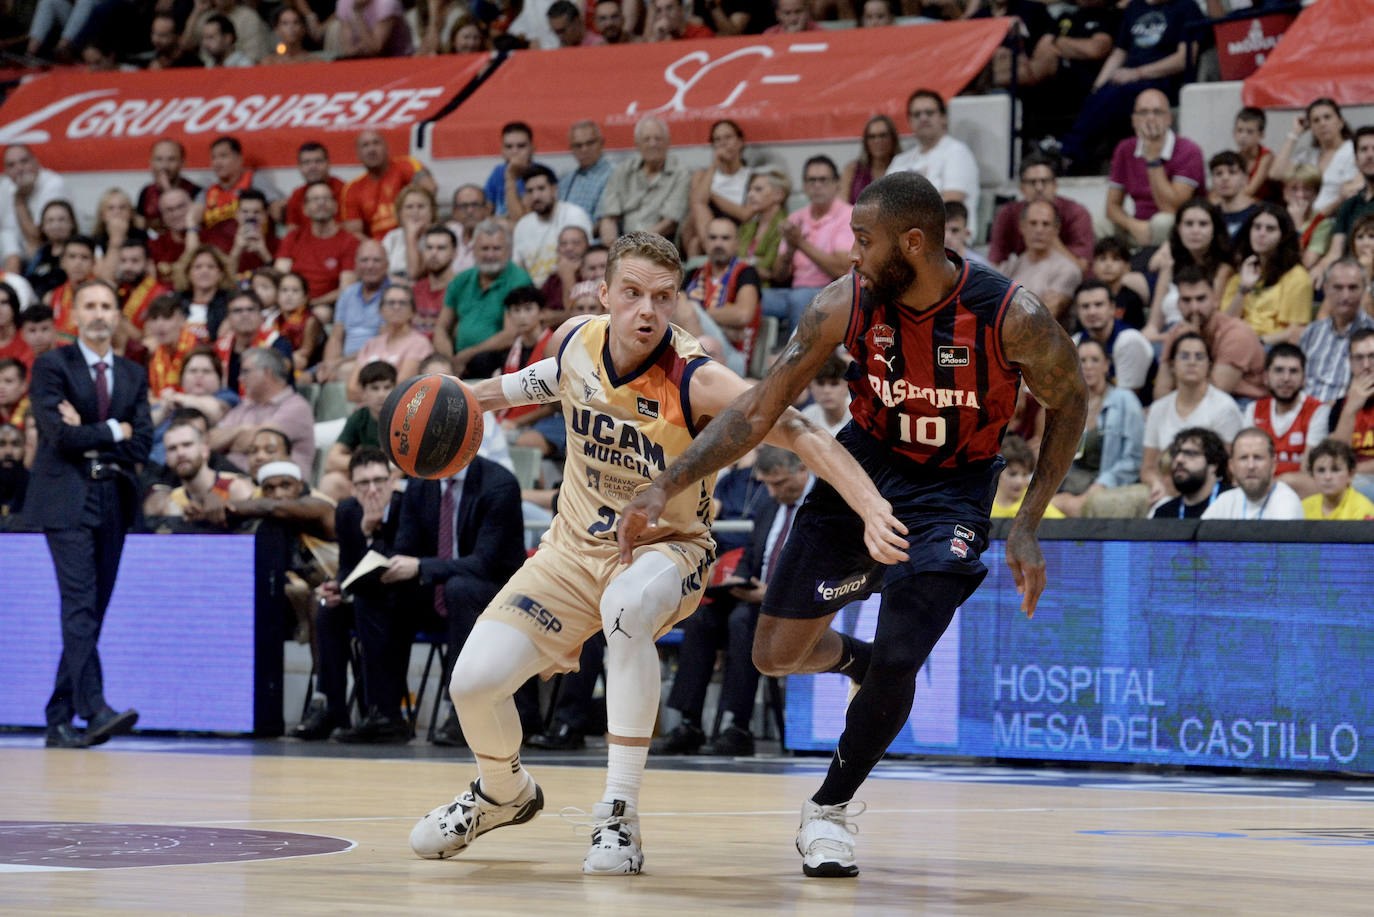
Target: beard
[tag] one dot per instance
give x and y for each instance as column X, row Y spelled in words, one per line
column 1256, row 491
column 893, row 277
column 1189, row 482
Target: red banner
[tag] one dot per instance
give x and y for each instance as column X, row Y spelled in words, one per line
column 1244, row 44
column 79, row 121
column 1326, row 52
column 807, row 86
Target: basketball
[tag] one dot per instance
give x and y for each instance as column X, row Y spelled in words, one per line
column 431, row 426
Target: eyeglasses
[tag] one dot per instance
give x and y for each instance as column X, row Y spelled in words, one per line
column 1037, row 182
column 1359, row 359
column 1190, row 357
column 366, row 483
column 820, row 179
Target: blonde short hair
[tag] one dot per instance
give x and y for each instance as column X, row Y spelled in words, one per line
column 647, row 245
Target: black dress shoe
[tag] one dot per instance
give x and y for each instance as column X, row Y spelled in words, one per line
column 733, row 742
column 450, row 735
column 561, row 737
column 64, row 735
column 317, row 725
column 107, row 723
column 375, row 728
column 684, row 740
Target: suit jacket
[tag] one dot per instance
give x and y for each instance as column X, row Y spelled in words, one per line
column 57, row 486
column 490, row 528
column 751, row 564
column 353, row 544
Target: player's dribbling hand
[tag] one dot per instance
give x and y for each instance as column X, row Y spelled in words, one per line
column 639, row 516
column 883, row 534
column 1027, row 567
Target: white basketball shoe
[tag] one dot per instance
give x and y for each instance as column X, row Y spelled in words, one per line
column 825, row 839
column 617, row 848
column 450, row 828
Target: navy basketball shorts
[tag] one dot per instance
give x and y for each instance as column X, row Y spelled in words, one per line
column 825, row 565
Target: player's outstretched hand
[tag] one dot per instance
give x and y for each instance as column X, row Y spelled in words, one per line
column 639, row 516
column 1027, row 567
column 883, row 533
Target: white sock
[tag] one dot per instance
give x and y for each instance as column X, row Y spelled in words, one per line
column 502, row 780
column 624, row 772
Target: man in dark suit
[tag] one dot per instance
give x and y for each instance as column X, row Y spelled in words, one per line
column 731, row 620
column 94, row 429
column 383, row 616
column 459, row 540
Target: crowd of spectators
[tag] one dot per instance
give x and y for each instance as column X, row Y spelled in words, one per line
column 1224, row 320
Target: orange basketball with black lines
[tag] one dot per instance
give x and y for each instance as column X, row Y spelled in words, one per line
column 431, row 426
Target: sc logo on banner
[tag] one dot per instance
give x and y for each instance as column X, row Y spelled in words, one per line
column 683, row 84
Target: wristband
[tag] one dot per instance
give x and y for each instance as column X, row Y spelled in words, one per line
column 535, row 384
column 1154, row 163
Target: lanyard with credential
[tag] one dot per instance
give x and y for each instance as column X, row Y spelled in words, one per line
column 1260, row 514
column 1216, row 489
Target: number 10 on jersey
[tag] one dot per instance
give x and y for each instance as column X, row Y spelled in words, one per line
column 930, row 431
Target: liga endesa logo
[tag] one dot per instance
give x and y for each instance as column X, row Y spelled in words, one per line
column 109, row 115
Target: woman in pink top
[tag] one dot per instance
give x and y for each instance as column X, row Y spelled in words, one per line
column 372, row 28
column 398, row 343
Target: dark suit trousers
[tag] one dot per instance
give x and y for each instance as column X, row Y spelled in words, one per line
column 333, row 629
column 575, row 688
column 722, row 623
column 386, row 625
column 86, row 559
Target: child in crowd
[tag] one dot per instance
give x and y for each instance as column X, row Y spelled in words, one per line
column 1229, row 190
column 14, row 392
column 362, row 428
column 1332, row 465
column 1015, row 478
column 1112, row 266
column 829, row 407
column 1248, row 133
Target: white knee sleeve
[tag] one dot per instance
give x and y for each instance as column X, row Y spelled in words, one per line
column 495, row 661
column 633, row 608
column 637, row 601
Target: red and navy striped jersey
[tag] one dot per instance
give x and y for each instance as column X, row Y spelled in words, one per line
column 935, row 385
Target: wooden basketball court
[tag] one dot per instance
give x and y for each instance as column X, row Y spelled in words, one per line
column 936, row 839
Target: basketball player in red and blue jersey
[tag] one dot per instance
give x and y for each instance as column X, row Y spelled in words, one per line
column 939, row 346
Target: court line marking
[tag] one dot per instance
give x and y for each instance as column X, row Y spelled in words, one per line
column 791, row 812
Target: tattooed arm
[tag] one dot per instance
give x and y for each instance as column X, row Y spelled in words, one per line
column 744, row 422
column 714, row 386
column 1035, row 343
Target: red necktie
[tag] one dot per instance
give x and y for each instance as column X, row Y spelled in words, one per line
column 782, row 538
column 102, row 391
column 446, row 514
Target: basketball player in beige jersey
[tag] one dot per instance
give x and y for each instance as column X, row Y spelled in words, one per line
column 635, row 390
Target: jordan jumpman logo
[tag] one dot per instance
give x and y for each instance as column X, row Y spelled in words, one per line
column 617, row 627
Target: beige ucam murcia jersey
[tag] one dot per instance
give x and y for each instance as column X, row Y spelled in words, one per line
column 624, row 431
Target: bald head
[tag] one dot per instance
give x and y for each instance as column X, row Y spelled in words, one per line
column 372, row 151
column 1152, row 106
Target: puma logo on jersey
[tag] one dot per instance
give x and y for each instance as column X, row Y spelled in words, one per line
column 952, row 356
column 889, row 362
